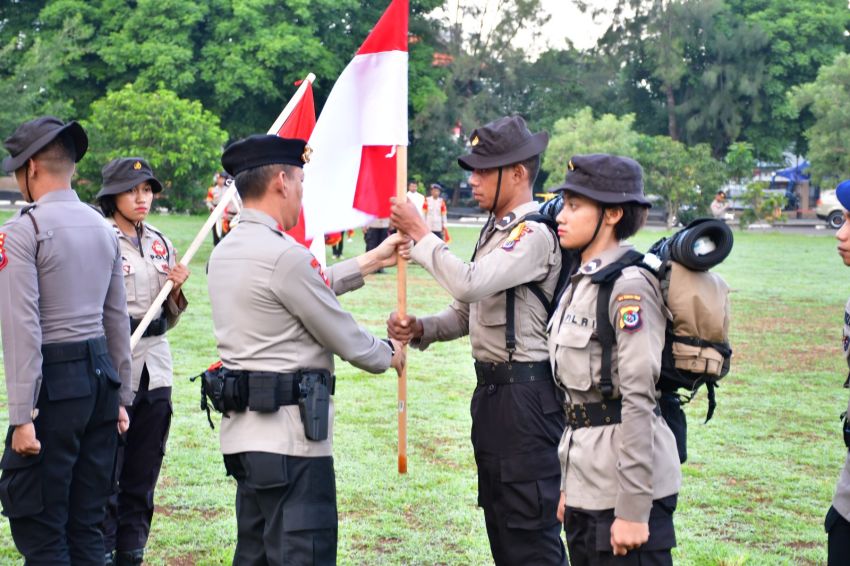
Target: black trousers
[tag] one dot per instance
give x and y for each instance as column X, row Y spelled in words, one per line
column 55, row 500
column 374, row 237
column 137, row 464
column 838, row 533
column 515, row 433
column 589, row 537
column 285, row 509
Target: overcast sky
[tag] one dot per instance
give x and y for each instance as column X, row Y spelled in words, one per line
column 566, row 22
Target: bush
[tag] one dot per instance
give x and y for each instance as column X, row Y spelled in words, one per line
column 179, row 138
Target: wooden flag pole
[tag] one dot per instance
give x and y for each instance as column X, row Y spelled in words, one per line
column 401, row 194
column 229, row 195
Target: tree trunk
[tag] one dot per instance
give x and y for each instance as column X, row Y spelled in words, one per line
column 672, row 129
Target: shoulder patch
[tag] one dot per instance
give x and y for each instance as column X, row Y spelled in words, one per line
column 314, row 263
column 4, row 258
column 629, row 318
column 159, row 248
column 515, row 236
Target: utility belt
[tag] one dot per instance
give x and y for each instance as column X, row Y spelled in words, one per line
column 157, row 327
column 581, row 415
column 505, row 373
column 73, row 351
column 227, row 390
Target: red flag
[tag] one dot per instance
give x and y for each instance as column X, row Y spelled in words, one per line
column 300, row 125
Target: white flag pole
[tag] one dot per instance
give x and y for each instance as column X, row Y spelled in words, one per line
column 213, row 218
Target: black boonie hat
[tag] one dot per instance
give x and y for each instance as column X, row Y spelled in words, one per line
column 124, row 173
column 502, row 142
column 608, row 179
column 258, row 150
column 32, row 136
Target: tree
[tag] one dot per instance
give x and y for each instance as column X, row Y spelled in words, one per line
column 740, row 161
column 582, row 133
column 828, row 99
column 180, row 139
column 679, row 175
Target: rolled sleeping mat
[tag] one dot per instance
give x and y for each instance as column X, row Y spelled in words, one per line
column 553, row 206
column 702, row 244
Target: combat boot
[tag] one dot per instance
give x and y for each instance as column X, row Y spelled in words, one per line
column 129, row 557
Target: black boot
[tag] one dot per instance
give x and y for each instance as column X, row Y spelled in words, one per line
column 109, row 559
column 129, row 557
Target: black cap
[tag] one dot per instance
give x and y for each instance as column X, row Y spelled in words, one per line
column 609, row 179
column 258, row 150
column 502, row 142
column 32, row 136
column 124, row 173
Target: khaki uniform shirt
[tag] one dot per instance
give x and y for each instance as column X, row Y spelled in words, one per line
column 68, row 288
column 435, row 213
column 418, row 200
column 274, row 309
column 623, row 466
column 146, row 268
column 511, row 253
column 841, row 501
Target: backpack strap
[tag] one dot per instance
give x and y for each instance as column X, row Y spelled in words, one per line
column 606, row 278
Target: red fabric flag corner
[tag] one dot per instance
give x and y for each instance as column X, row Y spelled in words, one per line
column 390, row 33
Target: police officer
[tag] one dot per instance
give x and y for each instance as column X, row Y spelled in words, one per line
column 837, row 522
column 501, row 299
column 278, row 325
column 66, row 346
column 620, row 467
column 148, row 261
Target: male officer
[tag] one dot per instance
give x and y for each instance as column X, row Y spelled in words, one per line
column 278, row 325
column 501, row 299
column 838, row 518
column 64, row 336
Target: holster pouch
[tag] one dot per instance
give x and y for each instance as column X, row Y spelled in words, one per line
column 314, row 404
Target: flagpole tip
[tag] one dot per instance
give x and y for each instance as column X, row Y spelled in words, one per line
column 311, row 78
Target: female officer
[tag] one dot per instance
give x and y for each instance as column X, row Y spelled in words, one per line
column 838, row 517
column 619, row 467
column 149, row 261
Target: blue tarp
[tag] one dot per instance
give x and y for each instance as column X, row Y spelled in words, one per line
column 795, row 174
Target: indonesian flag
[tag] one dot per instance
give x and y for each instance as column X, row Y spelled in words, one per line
column 352, row 171
column 300, row 125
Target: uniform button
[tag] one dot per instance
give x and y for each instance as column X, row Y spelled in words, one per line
column 607, row 419
column 50, row 232
column 604, row 406
column 491, row 388
column 97, row 371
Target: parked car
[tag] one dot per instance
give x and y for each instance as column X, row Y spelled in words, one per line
column 829, row 209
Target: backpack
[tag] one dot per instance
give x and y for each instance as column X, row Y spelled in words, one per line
column 696, row 348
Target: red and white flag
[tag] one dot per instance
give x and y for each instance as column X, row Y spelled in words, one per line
column 352, row 171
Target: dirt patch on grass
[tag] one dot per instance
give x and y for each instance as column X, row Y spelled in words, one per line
column 184, row 560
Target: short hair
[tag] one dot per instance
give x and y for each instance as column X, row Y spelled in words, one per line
column 532, row 165
column 634, row 217
column 58, row 157
column 107, row 205
column 252, row 183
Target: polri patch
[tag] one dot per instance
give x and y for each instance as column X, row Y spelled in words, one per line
column 519, row 231
column 314, row 263
column 630, row 320
column 4, row 257
column 159, row 248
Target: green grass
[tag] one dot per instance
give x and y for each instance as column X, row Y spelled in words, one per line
column 757, row 485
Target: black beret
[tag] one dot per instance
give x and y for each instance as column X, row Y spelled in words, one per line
column 124, row 173
column 258, row 150
column 32, row 136
column 608, row 179
column 502, row 142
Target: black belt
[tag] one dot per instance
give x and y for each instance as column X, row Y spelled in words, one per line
column 268, row 390
column 504, row 373
column 157, row 327
column 71, row 351
column 581, row 415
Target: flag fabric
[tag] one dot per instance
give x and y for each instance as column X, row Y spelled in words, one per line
column 300, row 125
column 352, row 171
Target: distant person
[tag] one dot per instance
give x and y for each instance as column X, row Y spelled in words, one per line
column 435, row 212
column 217, row 189
column 417, row 198
column 837, row 522
column 720, row 205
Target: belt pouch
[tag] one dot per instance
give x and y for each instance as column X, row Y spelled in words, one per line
column 262, row 389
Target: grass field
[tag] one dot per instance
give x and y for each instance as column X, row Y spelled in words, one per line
column 757, row 485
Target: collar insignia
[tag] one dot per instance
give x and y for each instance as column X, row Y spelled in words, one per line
column 137, row 165
column 474, row 141
column 305, row 157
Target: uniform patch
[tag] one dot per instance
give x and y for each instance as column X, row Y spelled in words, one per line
column 591, row 266
column 630, row 320
column 622, row 298
column 314, row 263
column 519, row 231
column 159, row 248
column 127, row 266
column 4, row 258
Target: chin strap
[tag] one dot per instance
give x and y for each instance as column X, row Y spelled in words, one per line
column 595, row 232
column 498, row 190
column 28, row 196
